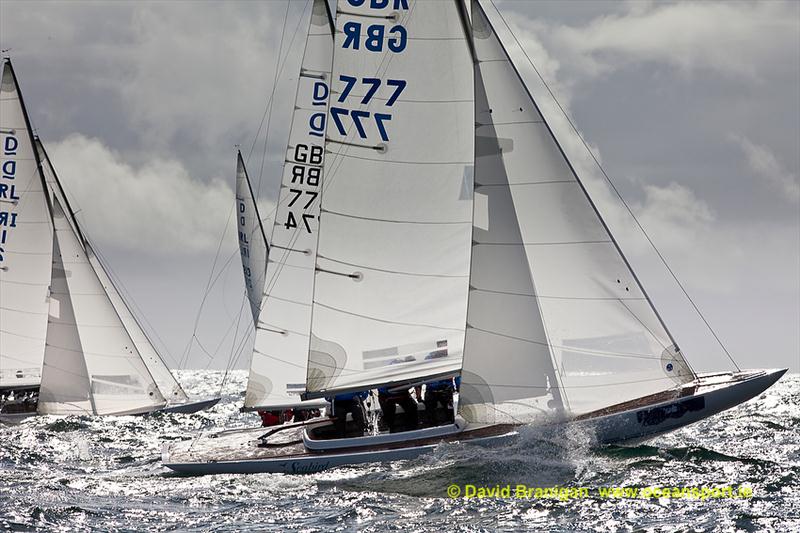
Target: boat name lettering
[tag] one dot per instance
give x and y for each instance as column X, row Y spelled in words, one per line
column 244, row 243
column 8, row 220
column 374, row 38
column 8, row 192
column 380, row 4
column 308, row 468
column 319, row 96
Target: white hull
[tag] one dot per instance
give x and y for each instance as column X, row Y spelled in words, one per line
column 238, row 452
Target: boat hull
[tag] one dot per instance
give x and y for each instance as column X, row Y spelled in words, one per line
column 191, row 406
column 238, row 451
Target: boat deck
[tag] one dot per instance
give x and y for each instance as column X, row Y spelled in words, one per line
column 287, row 443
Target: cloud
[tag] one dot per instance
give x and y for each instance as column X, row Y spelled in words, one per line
column 765, row 165
column 733, row 38
column 154, row 208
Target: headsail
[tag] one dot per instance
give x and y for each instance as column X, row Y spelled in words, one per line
column 278, row 366
column 557, row 320
column 110, row 377
column 253, row 246
column 167, row 384
column 26, row 244
column 392, row 266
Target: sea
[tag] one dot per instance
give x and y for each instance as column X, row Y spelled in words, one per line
column 737, row 471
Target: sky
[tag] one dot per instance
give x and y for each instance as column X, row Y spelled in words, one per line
column 692, row 108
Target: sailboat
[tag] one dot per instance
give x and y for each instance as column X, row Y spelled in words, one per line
column 454, row 236
column 69, row 343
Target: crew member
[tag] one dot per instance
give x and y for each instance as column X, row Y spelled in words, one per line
column 389, row 400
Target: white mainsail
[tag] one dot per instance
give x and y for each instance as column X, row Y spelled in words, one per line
column 26, row 244
column 110, row 377
column 392, row 266
column 558, row 323
column 253, row 247
column 278, row 366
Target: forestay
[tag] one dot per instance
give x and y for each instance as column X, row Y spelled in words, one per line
column 110, row 377
column 558, row 324
column 392, row 266
column 278, row 366
column 26, row 244
column 253, row 246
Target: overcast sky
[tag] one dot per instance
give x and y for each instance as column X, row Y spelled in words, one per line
column 693, row 108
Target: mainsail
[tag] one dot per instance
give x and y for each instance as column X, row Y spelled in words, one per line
column 26, row 243
column 558, row 324
column 392, row 266
column 278, row 366
column 253, row 246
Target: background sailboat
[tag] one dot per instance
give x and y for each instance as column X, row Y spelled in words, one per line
column 96, row 358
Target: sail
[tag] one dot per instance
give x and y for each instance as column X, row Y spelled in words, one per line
column 167, row 384
column 392, row 265
column 113, row 378
column 278, row 366
column 26, row 244
column 253, row 246
column 558, row 323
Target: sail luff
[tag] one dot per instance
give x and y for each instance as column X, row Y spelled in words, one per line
column 577, row 178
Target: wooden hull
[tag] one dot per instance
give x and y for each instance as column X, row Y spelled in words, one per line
column 239, row 451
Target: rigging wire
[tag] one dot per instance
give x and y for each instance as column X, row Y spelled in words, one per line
column 272, row 97
column 279, row 67
column 616, row 191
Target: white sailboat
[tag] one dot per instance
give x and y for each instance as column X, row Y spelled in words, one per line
column 456, row 236
column 61, row 314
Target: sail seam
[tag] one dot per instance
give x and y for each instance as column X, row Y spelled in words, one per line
column 572, row 348
column 375, row 319
column 421, row 222
column 417, row 274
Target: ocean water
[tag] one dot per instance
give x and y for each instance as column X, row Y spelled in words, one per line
column 105, row 474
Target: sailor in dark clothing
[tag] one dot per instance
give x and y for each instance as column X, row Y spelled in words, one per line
column 439, row 393
column 389, row 400
column 349, row 403
column 301, row 415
